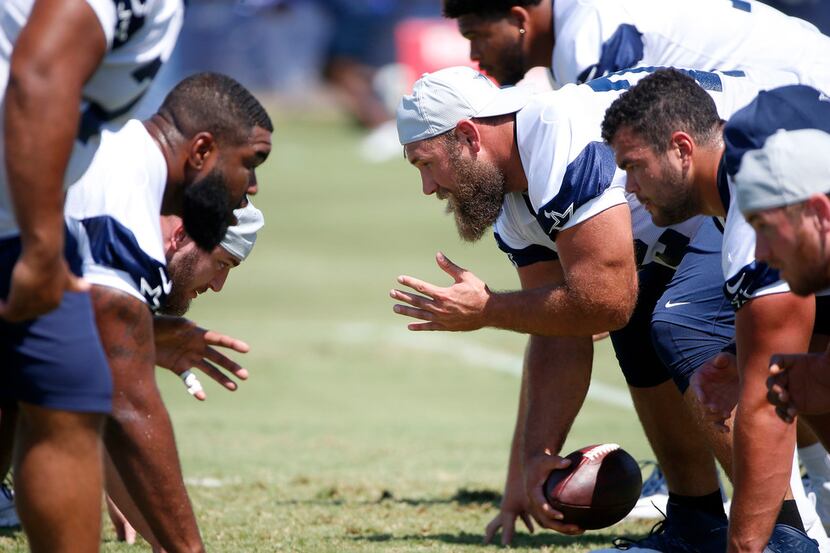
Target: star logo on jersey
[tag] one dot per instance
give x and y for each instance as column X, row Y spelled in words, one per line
column 153, row 295
column 559, row 219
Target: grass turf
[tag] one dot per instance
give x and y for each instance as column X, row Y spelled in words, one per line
column 354, row 434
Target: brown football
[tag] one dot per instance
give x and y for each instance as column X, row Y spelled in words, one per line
column 601, row 486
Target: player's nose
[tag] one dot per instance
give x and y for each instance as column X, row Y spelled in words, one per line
column 218, row 281
column 428, row 185
column 762, row 250
column 631, row 184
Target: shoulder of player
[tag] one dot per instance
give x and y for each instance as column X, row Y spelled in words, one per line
column 123, row 19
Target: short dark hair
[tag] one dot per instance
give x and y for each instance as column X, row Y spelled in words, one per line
column 488, row 9
column 217, row 104
column 668, row 100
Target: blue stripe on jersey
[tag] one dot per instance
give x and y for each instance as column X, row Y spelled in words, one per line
column 522, row 257
column 751, row 278
column 113, row 245
column 623, row 50
column 706, row 79
column 789, row 108
column 586, row 177
column 742, row 5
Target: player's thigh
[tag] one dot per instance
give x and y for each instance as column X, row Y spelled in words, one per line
column 635, row 353
column 54, row 361
column 693, row 320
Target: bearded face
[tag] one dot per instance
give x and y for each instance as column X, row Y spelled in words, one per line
column 478, row 197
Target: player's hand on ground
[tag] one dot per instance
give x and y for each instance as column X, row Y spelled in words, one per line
column 459, row 307
column 716, row 386
column 37, row 286
column 182, row 345
column 537, row 469
column 799, row 383
column 514, row 505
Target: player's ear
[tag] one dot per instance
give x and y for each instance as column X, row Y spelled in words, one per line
column 818, row 205
column 202, row 148
column 468, row 135
column 684, row 145
column 180, row 237
column 520, row 17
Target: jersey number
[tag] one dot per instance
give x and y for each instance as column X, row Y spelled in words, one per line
column 669, row 249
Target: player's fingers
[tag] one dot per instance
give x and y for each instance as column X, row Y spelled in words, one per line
column 413, row 312
column 528, row 521
column 412, row 299
column 548, row 513
column 216, row 339
column 425, row 326
column 215, row 374
column 491, row 528
column 418, row 285
column 226, row 363
column 449, row 267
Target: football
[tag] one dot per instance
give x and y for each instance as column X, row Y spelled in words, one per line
column 598, row 489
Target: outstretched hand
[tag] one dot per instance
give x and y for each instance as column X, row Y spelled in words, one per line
column 717, row 387
column 182, row 345
column 461, row 306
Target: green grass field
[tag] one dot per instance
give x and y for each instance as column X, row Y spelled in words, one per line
column 354, row 434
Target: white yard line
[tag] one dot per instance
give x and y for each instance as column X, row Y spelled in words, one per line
column 466, row 351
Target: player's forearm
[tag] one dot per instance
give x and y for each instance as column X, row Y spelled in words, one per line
column 514, row 464
column 763, row 443
column 139, row 434
column 41, row 119
column 564, row 310
column 139, row 438
column 558, row 375
column 762, row 454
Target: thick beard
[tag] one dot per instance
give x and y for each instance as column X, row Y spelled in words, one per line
column 810, row 276
column 677, row 204
column 181, row 270
column 511, row 65
column 477, row 200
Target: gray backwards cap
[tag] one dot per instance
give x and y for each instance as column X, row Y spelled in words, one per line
column 777, row 148
column 440, row 100
column 239, row 240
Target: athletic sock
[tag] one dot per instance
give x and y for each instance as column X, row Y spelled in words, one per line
column 711, row 503
column 815, row 460
column 789, row 515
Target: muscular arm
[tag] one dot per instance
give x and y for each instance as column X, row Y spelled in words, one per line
column 139, row 435
column 763, row 444
column 597, row 293
column 557, row 371
column 57, row 51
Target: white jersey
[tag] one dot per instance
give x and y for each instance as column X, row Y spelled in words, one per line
column 572, row 174
column 596, row 37
column 113, row 212
column 140, row 37
column 747, row 278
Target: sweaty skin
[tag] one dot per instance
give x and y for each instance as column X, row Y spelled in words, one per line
column 139, row 435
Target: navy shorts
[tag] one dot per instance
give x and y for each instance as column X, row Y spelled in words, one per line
column 693, row 320
column 682, row 317
column 638, row 360
column 55, row 361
